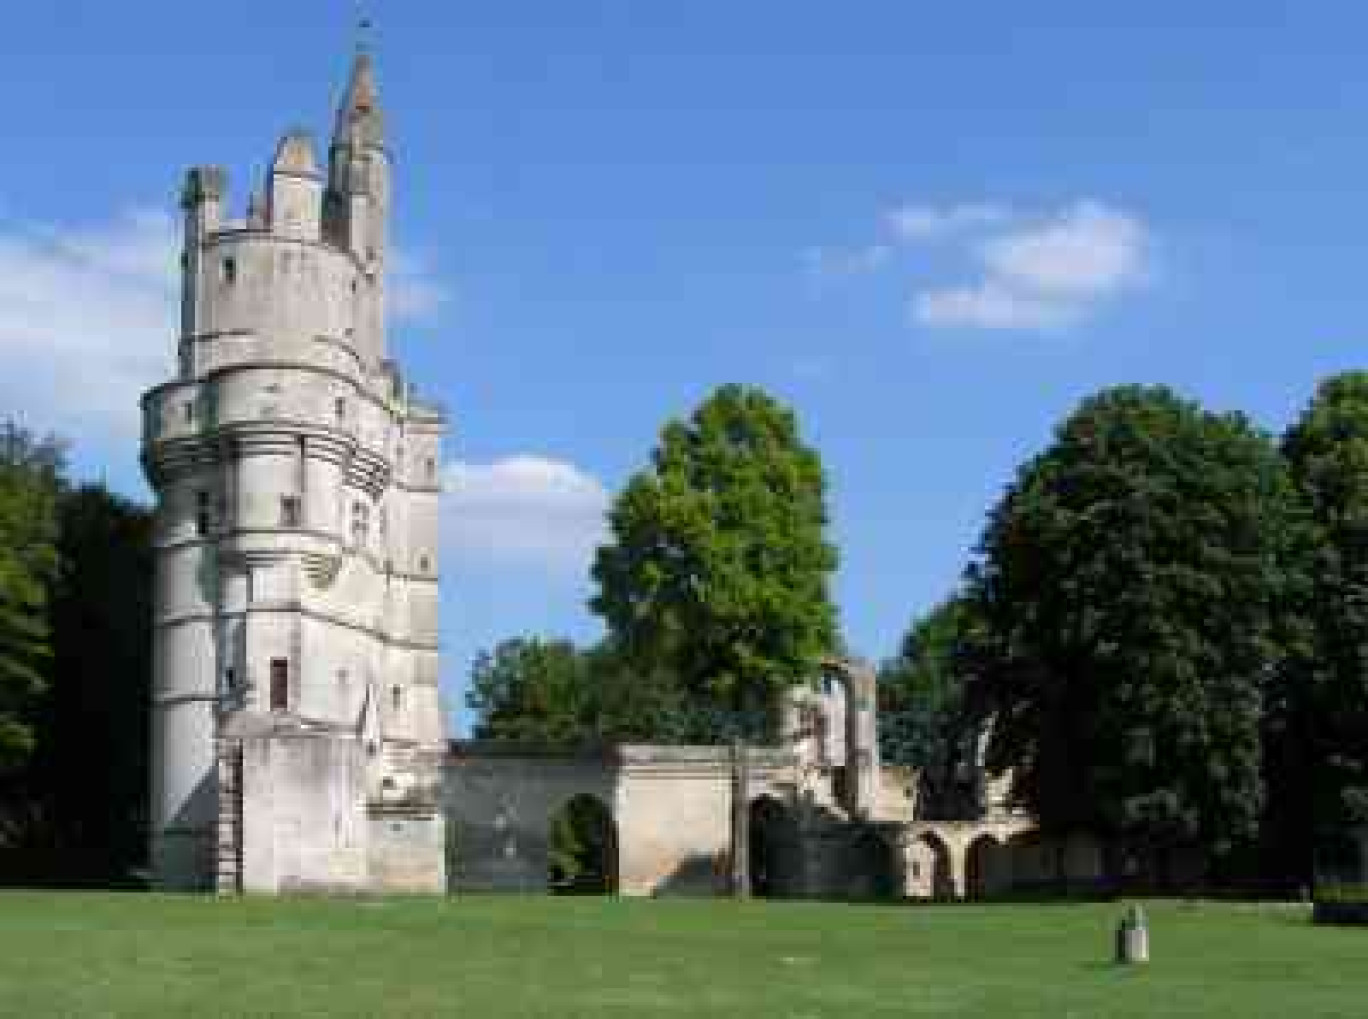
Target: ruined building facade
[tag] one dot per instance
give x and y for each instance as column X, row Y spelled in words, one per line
column 295, row 717
column 297, row 736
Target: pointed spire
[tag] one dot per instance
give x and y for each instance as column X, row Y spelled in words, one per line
column 359, row 116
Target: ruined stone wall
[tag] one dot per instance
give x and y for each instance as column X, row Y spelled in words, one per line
column 674, row 810
column 499, row 802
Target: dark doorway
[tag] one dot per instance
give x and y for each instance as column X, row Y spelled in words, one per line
column 582, row 849
column 773, row 850
column 986, row 868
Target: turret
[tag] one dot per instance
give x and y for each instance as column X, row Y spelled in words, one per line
column 358, row 200
column 202, row 201
column 295, row 188
column 358, row 178
column 296, row 538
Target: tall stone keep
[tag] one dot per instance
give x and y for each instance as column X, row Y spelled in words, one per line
column 296, row 728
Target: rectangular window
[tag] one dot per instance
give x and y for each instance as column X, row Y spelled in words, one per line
column 290, row 513
column 202, row 519
column 229, row 271
column 360, row 523
column 280, row 684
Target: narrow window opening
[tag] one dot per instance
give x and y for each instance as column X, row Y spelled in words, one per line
column 290, row 511
column 230, row 270
column 424, row 563
column 280, row 684
column 397, row 696
column 189, row 412
column 340, row 409
column 230, row 678
column 360, row 523
column 431, row 467
column 202, row 517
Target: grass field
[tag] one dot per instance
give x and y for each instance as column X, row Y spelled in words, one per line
column 143, row 955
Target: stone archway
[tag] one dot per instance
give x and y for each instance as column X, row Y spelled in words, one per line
column 987, row 868
column 774, row 849
column 873, row 865
column 582, row 848
column 929, row 874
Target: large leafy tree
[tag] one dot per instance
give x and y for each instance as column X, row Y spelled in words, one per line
column 717, row 571
column 923, row 720
column 30, row 472
column 64, row 820
column 1326, row 714
column 1129, row 585
column 530, row 690
column 548, row 691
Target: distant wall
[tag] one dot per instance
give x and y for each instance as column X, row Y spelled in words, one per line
column 498, row 804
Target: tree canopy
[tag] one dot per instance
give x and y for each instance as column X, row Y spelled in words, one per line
column 30, row 471
column 529, row 690
column 75, row 671
column 923, row 719
column 1327, row 449
column 1129, row 585
column 717, row 571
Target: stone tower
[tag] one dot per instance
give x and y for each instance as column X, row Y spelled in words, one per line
column 295, row 716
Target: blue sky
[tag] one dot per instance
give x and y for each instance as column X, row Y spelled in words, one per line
column 930, row 228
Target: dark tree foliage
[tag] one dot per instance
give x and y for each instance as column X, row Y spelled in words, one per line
column 923, row 719
column 30, row 478
column 716, row 576
column 78, row 810
column 582, row 849
column 530, row 690
column 1130, row 585
column 1324, row 714
column 548, row 691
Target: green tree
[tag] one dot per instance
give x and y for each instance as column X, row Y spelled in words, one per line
column 1325, row 710
column 64, row 820
column 923, row 719
column 530, row 690
column 1129, row 586
column 717, row 572
column 30, row 478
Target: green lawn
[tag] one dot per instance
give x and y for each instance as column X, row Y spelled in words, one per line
column 143, row 955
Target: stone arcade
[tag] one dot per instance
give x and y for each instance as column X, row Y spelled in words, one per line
column 297, row 737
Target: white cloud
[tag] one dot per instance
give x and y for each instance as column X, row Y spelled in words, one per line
column 416, row 294
column 914, row 222
column 87, row 321
column 1049, row 275
column 1089, row 250
column 524, row 509
column 88, row 318
column 989, row 305
column 823, row 262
